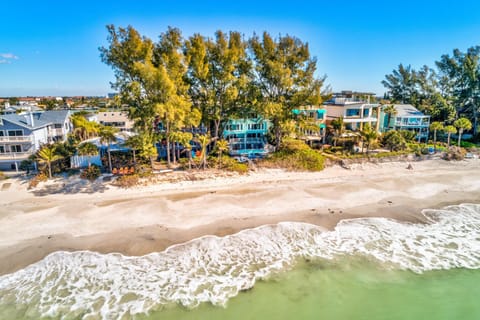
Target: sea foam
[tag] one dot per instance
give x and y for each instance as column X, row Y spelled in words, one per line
column 213, row 269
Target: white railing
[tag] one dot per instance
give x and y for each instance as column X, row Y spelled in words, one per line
column 14, row 155
column 16, row 139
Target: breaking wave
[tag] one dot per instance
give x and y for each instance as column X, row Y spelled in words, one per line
column 213, row 269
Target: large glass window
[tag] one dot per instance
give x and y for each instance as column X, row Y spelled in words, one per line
column 2, row 149
column 15, row 133
column 16, row 148
column 353, row 112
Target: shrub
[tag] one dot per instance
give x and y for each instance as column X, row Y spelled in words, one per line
column 228, row 163
column 394, row 140
column 41, row 177
column 296, row 155
column 455, row 153
column 3, row 176
column 91, row 173
column 127, row 181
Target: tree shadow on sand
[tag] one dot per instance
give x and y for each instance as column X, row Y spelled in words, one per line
column 71, row 187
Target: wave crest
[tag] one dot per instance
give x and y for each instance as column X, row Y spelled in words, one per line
column 214, row 269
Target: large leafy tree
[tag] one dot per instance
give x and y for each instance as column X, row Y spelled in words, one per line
column 402, row 85
column 460, row 78
column 150, row 78
column 285, row 78
column 219, row 73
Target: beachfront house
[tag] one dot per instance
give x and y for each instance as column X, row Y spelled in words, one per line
column 312, row 121
column 22, row 135
column 247, row 137
column 355, row 114
column 407, row 117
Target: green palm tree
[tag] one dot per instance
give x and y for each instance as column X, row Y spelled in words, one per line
column 47, row 155
column 88, row 149
column 390, row 111
column 449, row 130
column 462, row 124
column 435, row 126
column 222, row 146
column 369, row 136
column 107, row 136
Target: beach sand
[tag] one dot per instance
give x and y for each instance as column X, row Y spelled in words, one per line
column 78, row 215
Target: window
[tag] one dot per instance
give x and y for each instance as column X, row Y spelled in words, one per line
column 16, row 148
column 366, row 112
column 57, row 126
column 1, row 133
column 15, row 133
column 353, row 112
column 2, row 149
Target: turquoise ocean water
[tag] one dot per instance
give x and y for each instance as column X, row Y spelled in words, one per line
column 365, row 269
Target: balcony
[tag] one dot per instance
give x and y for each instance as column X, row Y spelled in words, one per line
column 14, row 156
column 16, row 139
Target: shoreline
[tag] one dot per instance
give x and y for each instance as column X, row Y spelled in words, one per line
column 149, row 219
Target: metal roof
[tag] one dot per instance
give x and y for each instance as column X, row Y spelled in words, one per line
column 407, row 110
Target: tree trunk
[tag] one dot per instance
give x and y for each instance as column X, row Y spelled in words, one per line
column 167, row 138
column 189, row 159
column 109, row 159
column 217, row 129
column 174, row 152
column 460, row 131
column 49, row 165
column 151, row 162
column 134, row 157
column 448, row 139
column 435, row 141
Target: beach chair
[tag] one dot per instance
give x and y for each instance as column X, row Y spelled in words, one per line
column 132, row 170
column 114, row 171
column 120, row 171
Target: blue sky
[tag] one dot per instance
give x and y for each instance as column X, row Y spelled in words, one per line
column 51, row 47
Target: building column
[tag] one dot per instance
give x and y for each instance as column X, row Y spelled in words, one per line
column 377, row 125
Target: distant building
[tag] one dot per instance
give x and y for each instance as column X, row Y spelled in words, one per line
column 247, row 137
column 117, row 119
column 407, row 118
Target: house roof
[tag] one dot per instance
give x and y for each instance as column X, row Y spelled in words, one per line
column 23, row 120
column 407, row 110
column 40, row 119
column 55, row 116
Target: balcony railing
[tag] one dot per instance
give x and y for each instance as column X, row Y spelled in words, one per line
column 15, row 139
column 14, row 155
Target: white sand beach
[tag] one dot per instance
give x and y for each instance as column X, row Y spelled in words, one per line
column 69, row 214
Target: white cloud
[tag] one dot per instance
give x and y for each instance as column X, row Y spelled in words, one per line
column 4, row 61
column 8, row 56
